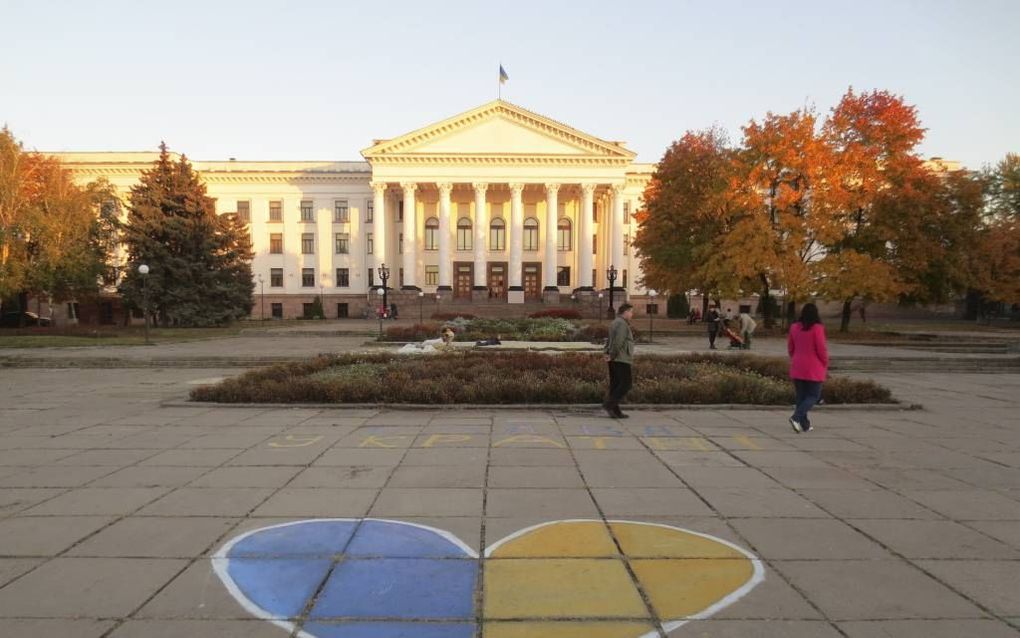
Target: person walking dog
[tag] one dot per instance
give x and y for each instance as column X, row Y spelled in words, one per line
column 809, row 364
column 619, row 353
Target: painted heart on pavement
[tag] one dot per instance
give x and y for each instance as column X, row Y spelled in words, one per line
column 375, row 578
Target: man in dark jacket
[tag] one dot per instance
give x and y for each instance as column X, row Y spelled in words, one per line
column 619, row 352
column 714, row 321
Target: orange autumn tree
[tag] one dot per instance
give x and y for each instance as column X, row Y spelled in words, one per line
column 997, row 255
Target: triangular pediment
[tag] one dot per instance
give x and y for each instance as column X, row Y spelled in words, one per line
column 498, row 129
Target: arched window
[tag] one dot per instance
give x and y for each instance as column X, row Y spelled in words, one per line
column 431, row 234
column 463, row 234
column 531, row 234
column 563, row 235
column 497, row 234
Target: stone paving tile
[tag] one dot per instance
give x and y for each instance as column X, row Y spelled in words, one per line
column 246, row 477
column 927, row 629
column 760, row 502
column 871, row 503
column 118, row 458
column 87, row 587
column 342, row 476
column 14, row 499
column 628, row 469
column 549, row 504
column 438, row 476
column 151, row 476
column 98, row 501
column 534, row 476
column 355, row 456
column 55, row 627
column 207, row 501
column 817, row 478
column 1006, row 531
column 156, row 537
column 193, row 458
column 515, row 457
column 969, row 504
column 55, row 476
column 196, row 593
column 196, row 629
column 46, row 535
column 934, row 539
column 742, row 628
column 29, row 458
column 861, row 590
column 990, row 583
column 823, row 539
column 11, row 568
column 681, row 459
column 400, row 502
column 733, row 477
column 629, row 502
column 322, row 502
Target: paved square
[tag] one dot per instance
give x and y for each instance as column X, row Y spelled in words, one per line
column 879, row 523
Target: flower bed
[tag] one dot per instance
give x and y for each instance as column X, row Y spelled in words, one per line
column 524, row 378
column 470, row 329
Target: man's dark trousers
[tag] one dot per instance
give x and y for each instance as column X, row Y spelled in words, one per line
column 619, row 383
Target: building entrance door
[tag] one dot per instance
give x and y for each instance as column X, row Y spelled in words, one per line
column 497, row 280
column 464, row 277
column 532, row 281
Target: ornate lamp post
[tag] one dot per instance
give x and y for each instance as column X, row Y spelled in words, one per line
column 421, row 300
column 652, row 309
column 262, row 300
column 600, row 306
column 384, row 274
column 143, row 270
column 381, row 293
column 611, row 276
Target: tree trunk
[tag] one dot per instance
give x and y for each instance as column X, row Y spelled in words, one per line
column 22, row 308
column 766, row 303
column 791, row 312
column 844, row 321
column 704, row 305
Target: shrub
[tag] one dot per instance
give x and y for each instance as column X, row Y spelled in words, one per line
column 593, row 332
column 447, row 316
column 416, row 332
column 559, row 313
column 677, row 307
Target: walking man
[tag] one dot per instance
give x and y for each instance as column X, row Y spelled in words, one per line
column 712, row 319
column 619, row 354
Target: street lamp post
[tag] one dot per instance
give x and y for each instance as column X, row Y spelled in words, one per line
column 143, row 270
column 421, row 300
column 382, row 293
column 611, row 276
column 262, row 300
column 600, row 306
column 652, row 309
column 384, row 274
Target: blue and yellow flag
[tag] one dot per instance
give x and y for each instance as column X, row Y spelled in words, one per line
column 503, row 77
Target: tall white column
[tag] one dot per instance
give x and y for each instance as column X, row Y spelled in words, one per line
column 617, row 231
column 410, row 261
column 445, row 264
column 516, row 234
column 584, row 240
column 552, row 218
column 481, row 228
column 378, row 227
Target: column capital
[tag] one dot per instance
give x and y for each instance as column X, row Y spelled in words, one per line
column 445, row 188
column 588, row 188
column 516, row 189
column 409, row 186
column 480, row 187
column 552, row 186
column 617, row 188
column 379, row 187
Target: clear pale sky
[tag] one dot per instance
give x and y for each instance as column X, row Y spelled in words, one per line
column 319, row 80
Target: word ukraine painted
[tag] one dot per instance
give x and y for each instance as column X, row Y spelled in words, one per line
column 373, row 578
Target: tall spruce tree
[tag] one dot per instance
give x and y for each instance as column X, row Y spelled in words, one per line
column 200, row 264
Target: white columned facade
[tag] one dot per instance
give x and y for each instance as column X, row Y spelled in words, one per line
column 445, row 263
column 617, row 231
column 552, row 213
column 481, row 226
column 378, row 225
column 516, row 234
column 585, row 260
column 410, row 245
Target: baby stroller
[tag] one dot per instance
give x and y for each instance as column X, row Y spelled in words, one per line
column 736, row 341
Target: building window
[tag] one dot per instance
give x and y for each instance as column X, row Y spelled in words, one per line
column 276, row 211
column 371, row 277
column 431, row 234
column 369, row 244
column 307, row 212
column 594, row 244
column 276, row 244
column 341, row 213
column 244, row 210
column 625, row 278
column 276, row 310
column 626, row 245
column 307, row 243
column 464, row 234
column 276, row 278
column 595, row 213
column 530, row 234
column 431, row 275
column 626, row 212
column 563, row 235
column 343, row 243
column 72, row 310
column 401, row 277
column 308, row 277
column 595, row 277
column 369, row 211
column 308, row 310
column 400, row 211
column 497, row 234
column 343, row 278
column 342, row 311
column 400, row 243
column 563, row 276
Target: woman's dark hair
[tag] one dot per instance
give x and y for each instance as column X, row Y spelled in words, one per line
column 809, row 316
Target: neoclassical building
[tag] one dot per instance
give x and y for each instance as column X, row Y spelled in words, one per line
column 494, row 206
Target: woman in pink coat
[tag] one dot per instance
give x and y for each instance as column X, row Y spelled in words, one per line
column 809, row 364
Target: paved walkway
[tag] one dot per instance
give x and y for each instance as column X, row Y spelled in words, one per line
column 877, row 524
